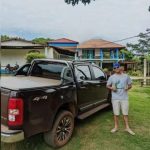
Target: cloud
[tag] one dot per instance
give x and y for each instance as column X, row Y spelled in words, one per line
column 109, row 19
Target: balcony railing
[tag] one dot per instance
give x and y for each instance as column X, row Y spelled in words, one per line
column 98, row 58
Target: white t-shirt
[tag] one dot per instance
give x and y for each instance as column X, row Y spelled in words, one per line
column 120, row 81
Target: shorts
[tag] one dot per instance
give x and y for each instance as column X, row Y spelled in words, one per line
column 120, row 104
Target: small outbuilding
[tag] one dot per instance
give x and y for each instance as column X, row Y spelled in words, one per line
column 13, row 51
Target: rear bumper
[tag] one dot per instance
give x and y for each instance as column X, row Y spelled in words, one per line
column 11, row 136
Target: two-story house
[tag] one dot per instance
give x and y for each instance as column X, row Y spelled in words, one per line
column 102, row 52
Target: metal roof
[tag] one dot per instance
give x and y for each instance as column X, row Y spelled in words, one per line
column 99, row 43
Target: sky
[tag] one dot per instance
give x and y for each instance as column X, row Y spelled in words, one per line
column 101, row 19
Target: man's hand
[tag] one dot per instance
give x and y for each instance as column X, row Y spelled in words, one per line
column 112, row 88
column 128, row 87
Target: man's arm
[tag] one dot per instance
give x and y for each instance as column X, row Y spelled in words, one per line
column 129, row 83
column 109, row 85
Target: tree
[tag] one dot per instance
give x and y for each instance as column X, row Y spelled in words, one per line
column 76, row 2
column 142, row 46
column 128, row 54
column 41, row 40
column 34, row 55
column 7, row 37
column 4, row 37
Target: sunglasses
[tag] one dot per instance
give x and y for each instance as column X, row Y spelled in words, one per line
column 116, row 67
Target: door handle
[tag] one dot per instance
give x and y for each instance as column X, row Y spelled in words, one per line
column 98, row 85
column 83, row 87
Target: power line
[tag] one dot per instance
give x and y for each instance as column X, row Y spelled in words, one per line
column 131, row 37
column 125, row 39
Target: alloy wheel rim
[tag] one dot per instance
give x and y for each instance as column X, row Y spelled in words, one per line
column 63, row 130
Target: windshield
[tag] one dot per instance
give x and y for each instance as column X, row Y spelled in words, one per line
column 50, row 70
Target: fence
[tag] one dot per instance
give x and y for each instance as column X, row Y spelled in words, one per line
column 148, row 68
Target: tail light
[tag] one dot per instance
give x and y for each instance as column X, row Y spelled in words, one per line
column 15, row 112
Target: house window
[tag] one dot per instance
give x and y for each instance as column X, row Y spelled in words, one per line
column 88, row 54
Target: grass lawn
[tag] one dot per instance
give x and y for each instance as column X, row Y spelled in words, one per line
column 93, row 133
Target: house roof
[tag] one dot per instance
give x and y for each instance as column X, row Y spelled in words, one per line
column 99, row 43
column 63, row 40
column 19, row 43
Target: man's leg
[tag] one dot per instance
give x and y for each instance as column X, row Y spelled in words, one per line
column 125, row 109
column 116, row 111
column 116, row 121
column 125, row 118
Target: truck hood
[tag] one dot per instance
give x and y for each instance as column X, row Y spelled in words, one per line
column 21, row 82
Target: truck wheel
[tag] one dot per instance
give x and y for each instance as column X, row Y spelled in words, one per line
column 61, row 131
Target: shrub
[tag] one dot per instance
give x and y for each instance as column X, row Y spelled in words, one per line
column 34, row 55
column 105, row 70
column 135, row 73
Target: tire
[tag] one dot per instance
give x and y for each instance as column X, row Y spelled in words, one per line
column 62, row 130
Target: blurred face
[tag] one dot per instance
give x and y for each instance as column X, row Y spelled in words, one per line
column 117, row 70
column 122, row 69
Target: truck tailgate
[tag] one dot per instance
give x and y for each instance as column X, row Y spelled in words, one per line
column 5, row 93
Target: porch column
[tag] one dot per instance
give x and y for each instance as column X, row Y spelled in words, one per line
column 76, row 54
column 101, row 57
column 49, row 52
column 46, row 52
column 112, row 56
column 117, row 54
column 101, row 64
column 123, row 56
column 101, row 54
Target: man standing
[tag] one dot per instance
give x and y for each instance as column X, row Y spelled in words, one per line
column 119, row 84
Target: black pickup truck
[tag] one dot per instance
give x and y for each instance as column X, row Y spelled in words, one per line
column 47, row 95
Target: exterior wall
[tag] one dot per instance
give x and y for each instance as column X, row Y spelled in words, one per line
column 49, row 52
column 53, row 54
column 80, row 53
column 13, row 56
column 18, row 43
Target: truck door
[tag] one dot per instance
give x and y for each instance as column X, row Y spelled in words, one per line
column 84, row 87
column 100, row 81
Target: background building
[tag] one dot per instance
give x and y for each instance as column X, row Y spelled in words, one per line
column 102, row 52
column 13, row 51
column 61, row 49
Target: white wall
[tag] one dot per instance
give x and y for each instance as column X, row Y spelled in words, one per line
column 49, row 52
column 13, row 56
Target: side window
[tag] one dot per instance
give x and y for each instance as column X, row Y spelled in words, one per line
column 82, row 72
column 51, row 70
column 99, row 75
column 23, row 70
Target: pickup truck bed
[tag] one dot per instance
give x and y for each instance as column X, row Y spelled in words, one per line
column 18, row 83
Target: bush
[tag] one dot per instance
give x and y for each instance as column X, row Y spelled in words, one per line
column 105, row 70
column 135, row 73
column 33, row 55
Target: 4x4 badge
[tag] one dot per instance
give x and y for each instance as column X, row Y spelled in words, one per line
column 40, row 98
